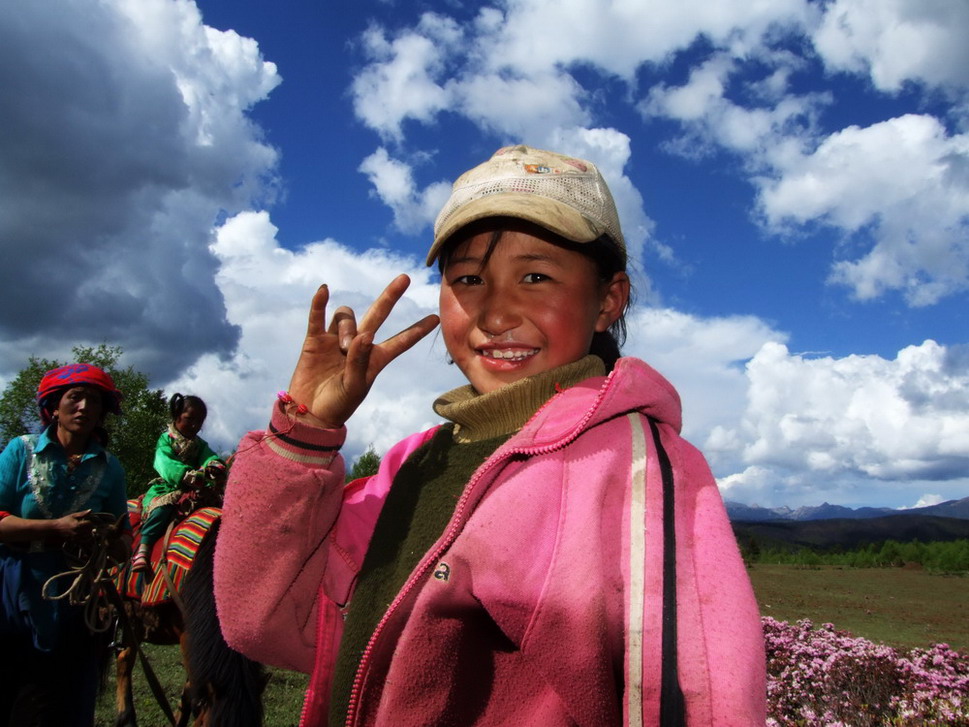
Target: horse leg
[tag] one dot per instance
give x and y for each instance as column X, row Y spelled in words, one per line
column 197, row 698
column 185, row 704
column 124, row 666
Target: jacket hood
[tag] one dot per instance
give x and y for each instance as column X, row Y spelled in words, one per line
column 633, row 385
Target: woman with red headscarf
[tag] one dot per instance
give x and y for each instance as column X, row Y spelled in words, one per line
column 50, row 483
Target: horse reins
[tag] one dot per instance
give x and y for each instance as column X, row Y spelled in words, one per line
column 88, row 568
column 92, row 588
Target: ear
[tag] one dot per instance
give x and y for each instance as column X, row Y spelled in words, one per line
column 613, row 302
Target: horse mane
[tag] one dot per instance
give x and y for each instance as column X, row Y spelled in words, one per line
column 229, row 683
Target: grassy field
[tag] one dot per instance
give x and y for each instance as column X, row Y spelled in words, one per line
column 900, row 607
column 283, row 698
column 896, row 606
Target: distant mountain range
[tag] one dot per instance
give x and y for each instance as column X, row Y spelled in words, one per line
column 850, row 534
column 739, row 512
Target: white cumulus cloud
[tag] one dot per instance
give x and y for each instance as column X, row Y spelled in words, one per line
column 907, row 181
column 814, row 423
column 393, row 183
column 402, row 80
column 897, row 41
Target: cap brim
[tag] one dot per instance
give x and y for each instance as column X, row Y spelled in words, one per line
column 554, row 216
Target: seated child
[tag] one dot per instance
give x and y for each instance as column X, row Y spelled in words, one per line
column 184, row 461
column 553, row 555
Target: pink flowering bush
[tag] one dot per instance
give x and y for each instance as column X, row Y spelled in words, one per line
column 822, row 677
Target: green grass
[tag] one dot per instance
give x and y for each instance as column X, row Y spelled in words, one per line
column 165, row 660
column 283, row 699
column 900, row 607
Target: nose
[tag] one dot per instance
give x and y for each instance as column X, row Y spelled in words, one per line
column 500, row 310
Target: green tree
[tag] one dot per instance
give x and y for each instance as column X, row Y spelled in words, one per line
column 750, row 551
column 132, row 435
column 365, row 465
column 890, row 554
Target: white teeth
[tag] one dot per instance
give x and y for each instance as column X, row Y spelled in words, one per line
column 510, row 355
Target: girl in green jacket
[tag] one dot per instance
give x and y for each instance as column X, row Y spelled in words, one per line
column 184, row 462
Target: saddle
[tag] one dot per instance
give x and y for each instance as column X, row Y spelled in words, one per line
column 190, row 526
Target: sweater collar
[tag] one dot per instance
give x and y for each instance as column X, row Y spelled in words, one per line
column 504, row 411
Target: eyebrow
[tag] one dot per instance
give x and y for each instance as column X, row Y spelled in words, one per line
column 536, row 257
column 523, row 257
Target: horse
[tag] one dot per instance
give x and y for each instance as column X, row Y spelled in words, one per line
column 223, row 688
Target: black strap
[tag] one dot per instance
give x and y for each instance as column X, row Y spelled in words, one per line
column 672, row 708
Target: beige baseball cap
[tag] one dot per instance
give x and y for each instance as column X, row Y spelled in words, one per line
column 565, row 195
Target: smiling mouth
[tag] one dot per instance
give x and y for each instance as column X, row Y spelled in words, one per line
column 510, row 354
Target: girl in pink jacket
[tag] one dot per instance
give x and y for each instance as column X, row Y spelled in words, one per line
column 554, row 554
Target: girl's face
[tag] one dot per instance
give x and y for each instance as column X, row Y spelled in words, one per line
column 190, row 421
column 531, row 307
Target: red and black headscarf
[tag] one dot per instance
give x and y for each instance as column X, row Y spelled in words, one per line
column 57, row 381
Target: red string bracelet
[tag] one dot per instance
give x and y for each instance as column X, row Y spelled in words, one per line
column 284, row 397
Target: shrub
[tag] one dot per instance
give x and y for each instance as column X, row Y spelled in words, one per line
column 823, row 677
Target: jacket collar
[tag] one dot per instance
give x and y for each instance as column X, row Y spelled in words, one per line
column 632, row 385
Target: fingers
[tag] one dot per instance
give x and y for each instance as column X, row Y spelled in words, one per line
column 381, row 308
column 396, row 345
column 344, row 327
column 362, row 363
column 357, row 376
column 348, row 345
column 317, row 317
column 80, row 527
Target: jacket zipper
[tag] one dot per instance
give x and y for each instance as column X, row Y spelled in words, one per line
column 451, row 533
column 429, row 559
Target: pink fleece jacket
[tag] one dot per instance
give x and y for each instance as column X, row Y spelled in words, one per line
column 543, row 601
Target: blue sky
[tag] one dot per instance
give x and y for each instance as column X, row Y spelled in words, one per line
column 793, row 177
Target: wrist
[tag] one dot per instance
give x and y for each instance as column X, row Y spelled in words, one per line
column 296, row 411
column 297, row 439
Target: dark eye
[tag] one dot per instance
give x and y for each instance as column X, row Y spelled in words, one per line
column 468, row 280
column 535, row 278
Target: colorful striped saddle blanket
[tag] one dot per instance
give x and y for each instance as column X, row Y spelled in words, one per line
column 183, row 544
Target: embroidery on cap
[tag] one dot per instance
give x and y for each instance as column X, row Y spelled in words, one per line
column 537, row 169
column 442, row 572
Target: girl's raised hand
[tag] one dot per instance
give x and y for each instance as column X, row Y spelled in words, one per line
column 338, row 364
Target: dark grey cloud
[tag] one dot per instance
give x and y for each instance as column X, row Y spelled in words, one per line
column 122, row 139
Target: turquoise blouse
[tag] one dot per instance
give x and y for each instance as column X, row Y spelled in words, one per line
column 35, row 484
